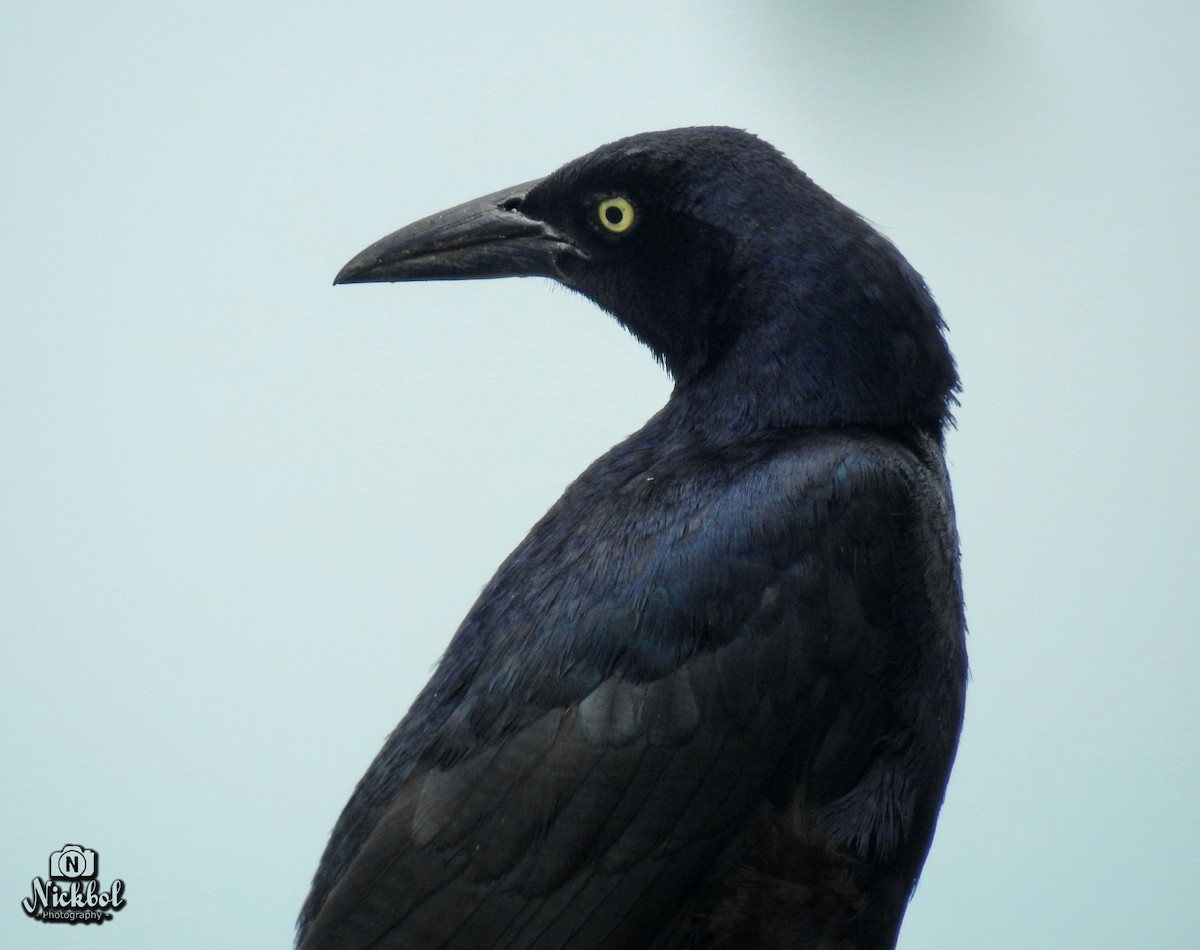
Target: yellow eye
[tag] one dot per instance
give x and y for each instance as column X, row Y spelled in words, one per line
column 616, row 214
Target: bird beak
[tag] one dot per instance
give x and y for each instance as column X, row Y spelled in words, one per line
column 487, row 237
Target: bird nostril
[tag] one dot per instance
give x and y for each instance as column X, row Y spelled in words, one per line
column 514, row 203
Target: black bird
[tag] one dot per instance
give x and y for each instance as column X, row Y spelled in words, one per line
column 713, row 698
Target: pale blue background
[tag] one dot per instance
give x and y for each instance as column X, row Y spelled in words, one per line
column 242, row 511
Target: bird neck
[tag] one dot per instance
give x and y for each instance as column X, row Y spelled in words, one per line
column 697, row 420
column 812, row 346
column 767, row 394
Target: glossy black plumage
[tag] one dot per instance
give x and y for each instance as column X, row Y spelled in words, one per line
column 712, row 700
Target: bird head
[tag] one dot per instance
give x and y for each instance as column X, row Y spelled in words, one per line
column 769, row 302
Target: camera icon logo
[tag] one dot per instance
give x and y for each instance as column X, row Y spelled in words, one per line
column 73, row 861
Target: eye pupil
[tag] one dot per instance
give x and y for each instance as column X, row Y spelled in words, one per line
column 613, row 214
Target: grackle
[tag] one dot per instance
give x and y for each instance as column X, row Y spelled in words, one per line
column 712, row 700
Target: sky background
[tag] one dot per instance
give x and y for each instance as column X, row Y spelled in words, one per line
column 242, row 511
